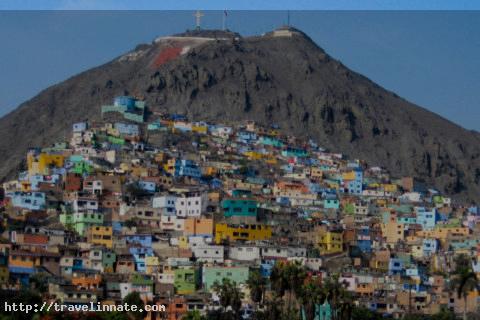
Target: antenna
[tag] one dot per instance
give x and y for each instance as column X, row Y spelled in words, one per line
column 198, row 16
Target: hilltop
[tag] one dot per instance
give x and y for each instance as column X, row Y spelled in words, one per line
column 281, row 78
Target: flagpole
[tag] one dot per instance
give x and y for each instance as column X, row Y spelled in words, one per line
column 224, row 19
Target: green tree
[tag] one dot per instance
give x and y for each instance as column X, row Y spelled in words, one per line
column 39, row 282
column 230, row 295
column 339, row 298
column 194, row 315
column 361, row 313
column 115, row 315
column 464, row 280
column 257, row 285
column 133, row 298
column 444, row 314
column 312, row 293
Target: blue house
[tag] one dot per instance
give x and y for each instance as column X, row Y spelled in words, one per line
column 147, row 186
column 127, row 129
column 356, row 186
column 395, row 266
column 266, row 269
column 28, row 200
column 187, row 168
column 246, row 136
column 139, row 254
column 429, row 246
column 79, row 127
column 364, row 242
column 427, row 219
column 143, row 240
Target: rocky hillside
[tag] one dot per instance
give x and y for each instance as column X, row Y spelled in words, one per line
column 281, row 77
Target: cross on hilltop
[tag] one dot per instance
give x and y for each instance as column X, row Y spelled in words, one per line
column 198, row 16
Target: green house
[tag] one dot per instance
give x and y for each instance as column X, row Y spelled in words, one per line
column 141, row 280
column 115, row 140
column 108, row 260
column 186, row 280
column 213, row 274
column 239, row 207
column 81, row 221
column 349, row 208
column 80, row 165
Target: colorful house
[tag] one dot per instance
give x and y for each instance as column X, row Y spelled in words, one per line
column 247, row 232
column 100, row 235
column 239, row 207
column 186, row 280
column 330, row 242
column 212, row 274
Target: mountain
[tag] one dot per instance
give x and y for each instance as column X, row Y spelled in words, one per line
column 281, row 77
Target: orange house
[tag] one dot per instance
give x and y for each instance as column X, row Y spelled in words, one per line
column 86, row 281
column 365, row 289
column 175, row 309
column 198, row 226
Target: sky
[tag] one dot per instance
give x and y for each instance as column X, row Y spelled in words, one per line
column 430, row 57
column 240, row 4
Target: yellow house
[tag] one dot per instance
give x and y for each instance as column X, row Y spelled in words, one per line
column 152, row 264
column 101, row 235
column 330, row 242
column 210, row 171
column 273, row 132
column 4, row 274
column 25, row 186
column 349, row 175
column 40, row 164
column 271, row 160
column 183, row 242
column 250, row 232
column 388, row 187
column 253, row 155
column 443, row 233
column 393, row 231
column 316, row 172
column 169, row 167
column 199, row 128
column 139, row 172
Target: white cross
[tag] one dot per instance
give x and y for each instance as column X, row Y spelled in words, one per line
column 198, row 16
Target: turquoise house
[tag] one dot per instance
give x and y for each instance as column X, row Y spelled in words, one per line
column 322, row 312
column 331, row 204
column 293, row 152
column 213, row 274
column 270, row 141
column 239, row 207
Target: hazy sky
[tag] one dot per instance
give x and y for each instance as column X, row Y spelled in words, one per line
column 431, row 58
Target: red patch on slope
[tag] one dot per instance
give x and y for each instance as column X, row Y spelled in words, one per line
column 167, row 55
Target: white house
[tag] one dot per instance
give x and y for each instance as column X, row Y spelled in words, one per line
column 191, row 205
column 211, row 253
column 165, row 201
column 244, row 253
column 283, row 252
